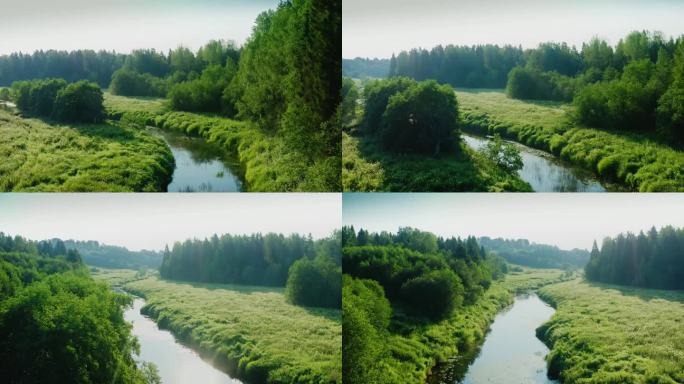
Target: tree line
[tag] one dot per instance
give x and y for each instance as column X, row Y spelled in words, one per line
column 309, row 269
column 111, row 256
column 57, row 324
column 653, row 259
column 410, row 272
column 524, row 252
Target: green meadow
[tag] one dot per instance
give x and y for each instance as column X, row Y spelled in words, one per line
column 629, row 161
column 613, row 334
column 251, row 332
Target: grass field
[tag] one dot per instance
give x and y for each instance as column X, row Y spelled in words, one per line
column 365, row 167
column 611, row 334
column 252, row 332
column 416, row 346
column 634, row 162
column 37, row 156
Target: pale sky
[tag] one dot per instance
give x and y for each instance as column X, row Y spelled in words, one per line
column 379, row 28
column 150, row 221
column 567, row 220
column 124, row 25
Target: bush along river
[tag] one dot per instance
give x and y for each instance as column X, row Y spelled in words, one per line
column 177, row 363
column 511, row 352
column 200, row 166
column 543, row 171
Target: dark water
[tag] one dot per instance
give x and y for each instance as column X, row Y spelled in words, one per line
column 511, row 353
column 543, row 172
column 177, row 364
column 200, row 166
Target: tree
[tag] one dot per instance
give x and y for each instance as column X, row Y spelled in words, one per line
column 314, row 283
column 434, row 294
column 79, row 102
column 503, row 154
column 127, row 82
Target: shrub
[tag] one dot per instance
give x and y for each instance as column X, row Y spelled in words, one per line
column 127, row 82
column 377, row 94
column 315, row 283
column 434, row 294
column 205, row 94
column 37, row 97
column 533, row 84
column 421, row 119
column 79, row 102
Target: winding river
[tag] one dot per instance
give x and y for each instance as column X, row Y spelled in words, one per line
column 544, row 172
column 511, row 352
column 200, row 166
column 177, row 364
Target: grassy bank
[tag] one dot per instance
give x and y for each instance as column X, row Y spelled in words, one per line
column 251, row 332
column 416, row 346
column 268, row 164
column 37, row 156
column 611, row 334
column 632, row 161
column 366, row 167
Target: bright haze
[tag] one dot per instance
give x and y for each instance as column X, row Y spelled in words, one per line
column 124, row 25
column 568, row 221
column 151, row 221
column 380, row 28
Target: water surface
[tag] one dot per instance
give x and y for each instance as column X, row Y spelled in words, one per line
column 200, row 166
column 511, row 353
column 177, row 364
column 544, row 172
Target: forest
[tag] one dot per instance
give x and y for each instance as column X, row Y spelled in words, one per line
column 651, row 260
column 524, row 252
column 283, row 84
column 362, row 68
column 100, row 255
column 51, row 315
column 309, row 269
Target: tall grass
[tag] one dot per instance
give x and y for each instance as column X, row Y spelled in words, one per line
column 37, row 156
column 610, row 334
column 251, row 332
column 632, row 161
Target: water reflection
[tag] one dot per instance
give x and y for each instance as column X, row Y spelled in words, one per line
column 543, row 172
column 200, row 166
column 511, row 352
column 177, row 364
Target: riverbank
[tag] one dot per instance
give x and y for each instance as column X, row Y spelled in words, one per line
column 612, row 334
column 36, row 156
column 417, row 347
column 366, row 167
column 629, row 161
column 252, row 333
column 267, row 163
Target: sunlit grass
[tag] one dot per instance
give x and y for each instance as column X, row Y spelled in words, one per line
column 37, row 156
column 634, row 162
column 252, row 332
column 611, row 334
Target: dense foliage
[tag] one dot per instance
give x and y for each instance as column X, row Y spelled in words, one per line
column 524, row 252
column 78, row 102
column 244, row 259
column 315, row 283
column 361, row 68
column 531, row 83
column 479, row 66
column 56, row 324
column 130, row 83
column 654, row 260
column 408, row 116
column 412, row 264
column 604, row 335
column 112, row 256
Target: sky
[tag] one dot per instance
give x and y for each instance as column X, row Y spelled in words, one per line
column 379, row 28
column 150, row 221
column 124, row 25
column 572, row 220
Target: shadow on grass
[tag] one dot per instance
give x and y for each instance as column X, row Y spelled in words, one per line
column 645, row 294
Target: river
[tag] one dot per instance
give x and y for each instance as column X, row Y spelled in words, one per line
column 511, row 352
column 544, row 172
column 177, row 364
column 200, row 166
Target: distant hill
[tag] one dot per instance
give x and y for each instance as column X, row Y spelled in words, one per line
column 360, row 68
column 110, row 256
column 523, row 252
